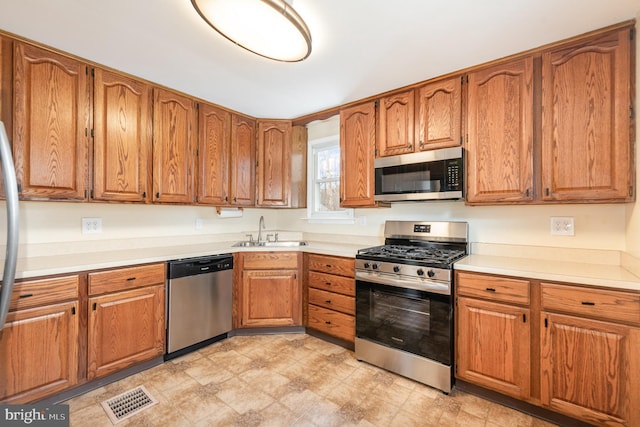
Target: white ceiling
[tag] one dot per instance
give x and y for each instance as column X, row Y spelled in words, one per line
column 360, row 47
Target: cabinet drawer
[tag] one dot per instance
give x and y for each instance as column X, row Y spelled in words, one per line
column 332, row 301
column 42, row 292
column 332, row 322
column 597, row 303
column 270, row 260
column 332, row 265
column 126, row 278
column 494, row 288
column 329, row 282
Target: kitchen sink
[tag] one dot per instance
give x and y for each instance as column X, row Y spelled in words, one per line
column 281, row 243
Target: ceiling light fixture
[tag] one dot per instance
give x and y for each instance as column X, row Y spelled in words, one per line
column 269, row 28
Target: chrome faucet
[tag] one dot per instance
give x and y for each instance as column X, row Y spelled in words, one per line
column 260, row 228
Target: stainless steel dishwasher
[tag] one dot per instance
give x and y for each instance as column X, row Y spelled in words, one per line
column 199, row 292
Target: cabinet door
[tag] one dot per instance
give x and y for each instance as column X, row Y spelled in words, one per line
column 493, row 346
column 39, row 352
column 125, row 328
column 122, row 114
column 50, row 124
column 243, row 161
column 439, row 114
column 395, row 127
column 174, row 127
column 213, row 155
column 270, row 298
column 586, row 129
column 357, row 150
column 500, row 133
column 589, row 369
column 274, row 163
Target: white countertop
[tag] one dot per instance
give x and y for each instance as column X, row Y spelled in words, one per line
column 529, row 262
column 29, row 267
column 604, row 275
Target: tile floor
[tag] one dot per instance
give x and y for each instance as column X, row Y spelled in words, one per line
column 289, row 380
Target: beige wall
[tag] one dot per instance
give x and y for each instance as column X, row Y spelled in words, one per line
column 597, row 226
column 633, row 210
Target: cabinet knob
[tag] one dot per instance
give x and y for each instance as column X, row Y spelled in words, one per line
column 157, row 195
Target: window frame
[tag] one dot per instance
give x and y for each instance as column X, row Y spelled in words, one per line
column 341, row 216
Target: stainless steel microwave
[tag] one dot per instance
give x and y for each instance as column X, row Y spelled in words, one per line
column 427, row 175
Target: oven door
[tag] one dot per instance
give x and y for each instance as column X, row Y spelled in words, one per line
column 415, row 321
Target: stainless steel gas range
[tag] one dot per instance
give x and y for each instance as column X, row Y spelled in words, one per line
column 404, row 310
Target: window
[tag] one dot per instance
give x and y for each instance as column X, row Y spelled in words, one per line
column 323, row 204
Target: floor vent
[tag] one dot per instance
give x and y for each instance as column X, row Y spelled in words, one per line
column 128, row 404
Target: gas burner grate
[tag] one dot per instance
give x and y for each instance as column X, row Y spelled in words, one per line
column 128, row 404
column 414, row 253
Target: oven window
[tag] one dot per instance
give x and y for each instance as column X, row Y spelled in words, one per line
column 414, row 321
column 412, row 178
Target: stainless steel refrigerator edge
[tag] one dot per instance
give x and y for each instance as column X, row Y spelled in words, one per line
column 11, row 192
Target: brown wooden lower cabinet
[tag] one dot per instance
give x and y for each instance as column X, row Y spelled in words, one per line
column 268, row 289
column 124, row 328
column 330, row 286
column 39, row 352
column 332, row 322
column 127, row 326
column 590, row 369
column 576, row 353
column 494, row 346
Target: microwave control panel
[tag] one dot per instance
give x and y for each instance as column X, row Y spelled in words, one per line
column 454, row 174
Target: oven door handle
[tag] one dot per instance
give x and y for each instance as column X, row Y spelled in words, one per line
column 389, row 280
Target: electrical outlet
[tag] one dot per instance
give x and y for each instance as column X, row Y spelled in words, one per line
column 91, row 225
column 562, row 226
column 199, row 223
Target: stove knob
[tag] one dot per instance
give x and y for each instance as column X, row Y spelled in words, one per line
column 431, row 273
column 420, row 272
column 367, row 265
column 374, row 266
column 396, row 269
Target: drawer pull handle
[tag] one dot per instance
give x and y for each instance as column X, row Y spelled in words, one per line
column 25, row 295
column 328, row 265
column 327, row 322
column 327, row 283
column 491, row 289
column 328, row 301
column 588, row 303
column 129, row 279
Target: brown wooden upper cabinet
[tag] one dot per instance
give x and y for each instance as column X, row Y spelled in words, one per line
column 586, row 107
column 357, row 152
column 122, row 142
column 426, row 118
column 438, row 118
column 278, row 153
column 226, row 157
column 500, row 133
column 395, row 125
column 213, row 155
column 174, row 130
column 50, row 124
column 243, row 161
